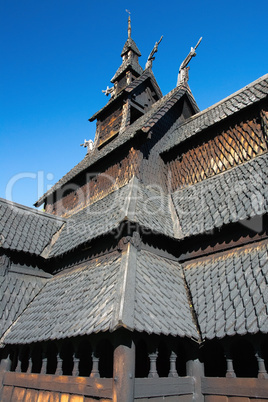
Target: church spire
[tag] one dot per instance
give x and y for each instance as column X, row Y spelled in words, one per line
column 130, row 66
column 129, row 27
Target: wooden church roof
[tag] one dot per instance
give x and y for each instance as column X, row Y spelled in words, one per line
column 173, row 280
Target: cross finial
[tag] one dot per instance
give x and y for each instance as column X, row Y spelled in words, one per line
column 129, row 24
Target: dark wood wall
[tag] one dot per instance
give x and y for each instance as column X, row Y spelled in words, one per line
column 217, row 150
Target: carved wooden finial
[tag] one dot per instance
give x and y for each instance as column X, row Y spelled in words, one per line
column 183, row 75
column 151, row 57
column 129, row 24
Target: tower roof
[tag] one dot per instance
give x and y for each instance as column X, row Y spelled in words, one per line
column 130, row 55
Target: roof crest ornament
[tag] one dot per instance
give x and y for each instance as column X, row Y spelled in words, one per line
column 89, row 144
column 183, row 75
column 108, row 91
column 151, row 57
column 129, row 24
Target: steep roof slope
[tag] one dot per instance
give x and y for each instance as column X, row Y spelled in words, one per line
column 230, row 292
column 17, row 290
column 232, row 196
column 107, row 293
column 25, row 229
column 145, row 205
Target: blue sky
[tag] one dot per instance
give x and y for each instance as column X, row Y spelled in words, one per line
column 57, row 56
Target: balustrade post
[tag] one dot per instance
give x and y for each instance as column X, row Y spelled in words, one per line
column 95, row 366
column 16, row 360
column 230, row 373
column 76, row 366
column 59, row 365
column 172, row 360
column 153, row 371
column 30, row 365
column 44, row 365
column 6, row 362
column 262, row 373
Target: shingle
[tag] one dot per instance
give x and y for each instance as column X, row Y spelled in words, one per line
column 246, row 96
column 225, row 200
column 145, row 122
column 242, row 297
column 14, row 289
column 83, row 301
column 25, row 229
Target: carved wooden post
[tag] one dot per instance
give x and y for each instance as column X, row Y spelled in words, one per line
column 262, row 373
column 172, row 360
column 59, row 364
column 230, row 373
column 153, row 371
column 44, row 365
column 124, row 368
column 76, row 365
column 30, row 365
column 95, row 366
column 16, row 360
column 6, row 362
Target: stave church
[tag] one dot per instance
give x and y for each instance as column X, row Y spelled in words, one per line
column 145, row 277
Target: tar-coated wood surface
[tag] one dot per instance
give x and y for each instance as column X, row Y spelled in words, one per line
column 228, row 148
column 98, row 185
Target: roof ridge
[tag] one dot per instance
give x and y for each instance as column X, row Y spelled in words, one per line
column 123, row 315
column 248, row 86
column 201, row 113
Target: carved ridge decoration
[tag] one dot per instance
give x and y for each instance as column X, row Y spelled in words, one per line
column 227, row 149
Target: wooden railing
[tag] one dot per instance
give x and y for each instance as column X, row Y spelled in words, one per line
column 23, row 383
column 235, row 387
column 162, row 387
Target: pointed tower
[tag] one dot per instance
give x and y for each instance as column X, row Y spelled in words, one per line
column 133, row 93
column 130, row 67
column 128, row 127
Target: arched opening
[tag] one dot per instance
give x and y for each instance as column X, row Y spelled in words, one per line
column 36, row 358
column 52, row 352
column 181, row 359
column 24, row 358
column 244, row 359
column 162, row 362
column 214, row 359
column 105, row 353
column 264, row 353
column 85, row 358
column 67, row 358
column 142, row 361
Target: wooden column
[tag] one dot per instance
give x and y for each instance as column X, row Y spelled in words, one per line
column 124, row 368
column 195, row 369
